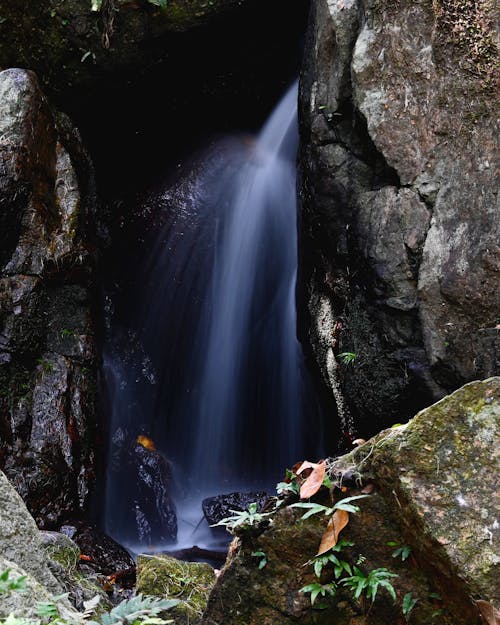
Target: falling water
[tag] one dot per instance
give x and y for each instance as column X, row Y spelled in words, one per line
column 229, row 403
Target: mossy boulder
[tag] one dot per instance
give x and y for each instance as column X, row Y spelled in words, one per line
column 191, row 582
column 432, row 488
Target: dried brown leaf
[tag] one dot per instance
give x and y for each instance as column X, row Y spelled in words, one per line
column 358, row 442
column 307, row 465
column 314, row 481
column 489, row 614
column 335, row 525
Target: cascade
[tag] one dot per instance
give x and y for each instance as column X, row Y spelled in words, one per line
column 209, row 366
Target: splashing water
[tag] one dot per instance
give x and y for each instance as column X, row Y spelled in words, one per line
column 227, row 397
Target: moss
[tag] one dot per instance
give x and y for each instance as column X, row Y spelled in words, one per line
column 163, row 576
column 63, row 551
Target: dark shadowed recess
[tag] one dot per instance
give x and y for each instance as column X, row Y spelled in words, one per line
column 216, row 78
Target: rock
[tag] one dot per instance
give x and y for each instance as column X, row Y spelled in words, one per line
column 22, row 552
column 20, row 540
column 221, row 506
column 103, row 555
column 142, row 511
column 78, row 581
column 433, row 485
column 400, row 217
column 69, row 44
column 47, row 350
column 163, row 576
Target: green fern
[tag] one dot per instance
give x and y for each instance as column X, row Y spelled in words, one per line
column 137, row 609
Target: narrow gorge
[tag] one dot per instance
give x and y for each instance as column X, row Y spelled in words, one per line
column 244, row 246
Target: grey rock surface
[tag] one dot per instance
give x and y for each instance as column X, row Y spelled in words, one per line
column 400, row 211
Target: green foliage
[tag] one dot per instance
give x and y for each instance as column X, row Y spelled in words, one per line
column 262, row 556
column 315, row 508
column 402, row 551
column 243, row 519
column 288, row 488
column 8, row 585
column 316, row 589
column 347, row 358
column 49, row 610
column 17, row 620
column 368, row 584
column 409, row 603
column 329, row 558
column 138, row 609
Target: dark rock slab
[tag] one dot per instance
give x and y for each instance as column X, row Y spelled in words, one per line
column 221, row 506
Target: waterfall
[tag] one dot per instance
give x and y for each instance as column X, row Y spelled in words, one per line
column 225, row 396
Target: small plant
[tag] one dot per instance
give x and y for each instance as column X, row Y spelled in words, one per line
column 49, row 610
column 8, row 585
column 290, row 487
column 138, row 610
column 402, row 551
column 65, row 333
column 347, row 358
column 339, row 566
column 316, row 589
column 262, row 558
column 368, row 584
column 45, row 365
column 315, row 508
column 243, row 519
column 409, row 603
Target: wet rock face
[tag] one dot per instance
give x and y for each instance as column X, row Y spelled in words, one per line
column 47, row 351
column 142, row 512
column 400, row 217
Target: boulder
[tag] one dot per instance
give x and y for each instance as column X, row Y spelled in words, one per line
column 191, row 582
column 432, row 485
column 221, row 506
column 400, row 215
column 47, row 349
column 78, row 580
column 141, row 509
column 22, row 553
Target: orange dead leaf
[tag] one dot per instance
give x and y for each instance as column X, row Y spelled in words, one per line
column 335, row 525
column 489, row 614
column 297, row 466
column 146, row 442
column 314, row 481
column 85, row 558
column 307, row 465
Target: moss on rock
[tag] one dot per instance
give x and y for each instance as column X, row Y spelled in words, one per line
column 191, row 582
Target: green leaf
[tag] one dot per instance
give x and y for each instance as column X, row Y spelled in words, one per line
column 409, row 603
column 312, row 508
